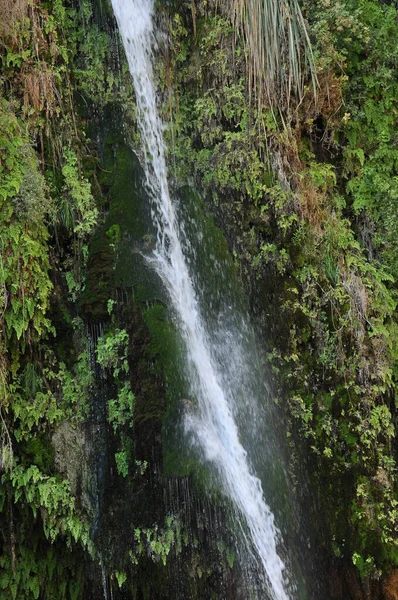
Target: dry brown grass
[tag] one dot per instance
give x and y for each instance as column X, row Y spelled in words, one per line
column 390, row 585
column 34, row 84
column 328, row 104
column 6, row 450
column 311, row 203
column 40, row 91
column 12, row 12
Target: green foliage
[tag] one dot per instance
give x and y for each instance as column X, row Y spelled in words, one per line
column 122, row 463
column 24, row 261
column 121, row 578
column 114, row 234
column 365, row 566
column 112, row 352
column 53, row 499
column 35, row 574
column 99, row 75
column 12, row 171
column 42, row 408
column 120, row 410
column 292, row 222
column 40, row 503
column 371, row 158
column 289, row 217
column 75, row 387
column 40, row 187
column 77, row 191
column 158, row 542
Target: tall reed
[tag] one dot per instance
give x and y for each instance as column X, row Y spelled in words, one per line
column 279, row 48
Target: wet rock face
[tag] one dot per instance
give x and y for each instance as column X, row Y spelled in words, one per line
column 344, row 583
column 73, row 457
column 390, row 586
column 335, row 584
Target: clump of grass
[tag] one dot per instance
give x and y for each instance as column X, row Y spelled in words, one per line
column 11, row 12
column 278, row 46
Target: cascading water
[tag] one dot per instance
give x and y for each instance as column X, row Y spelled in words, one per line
column 213, row 422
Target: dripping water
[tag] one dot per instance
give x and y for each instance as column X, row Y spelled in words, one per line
column 99, row 439
column 212, row 423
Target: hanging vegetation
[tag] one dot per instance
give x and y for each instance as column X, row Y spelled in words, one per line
column 278, row 48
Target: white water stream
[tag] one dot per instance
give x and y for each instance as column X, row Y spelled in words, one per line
column 213, row 422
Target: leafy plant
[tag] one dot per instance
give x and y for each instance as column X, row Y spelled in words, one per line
column 78, row 190
column 112, row 352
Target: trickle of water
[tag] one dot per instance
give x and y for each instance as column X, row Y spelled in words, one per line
column 104, row 580
column 212, row 423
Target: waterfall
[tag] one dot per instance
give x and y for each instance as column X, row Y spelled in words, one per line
column 212, row 422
